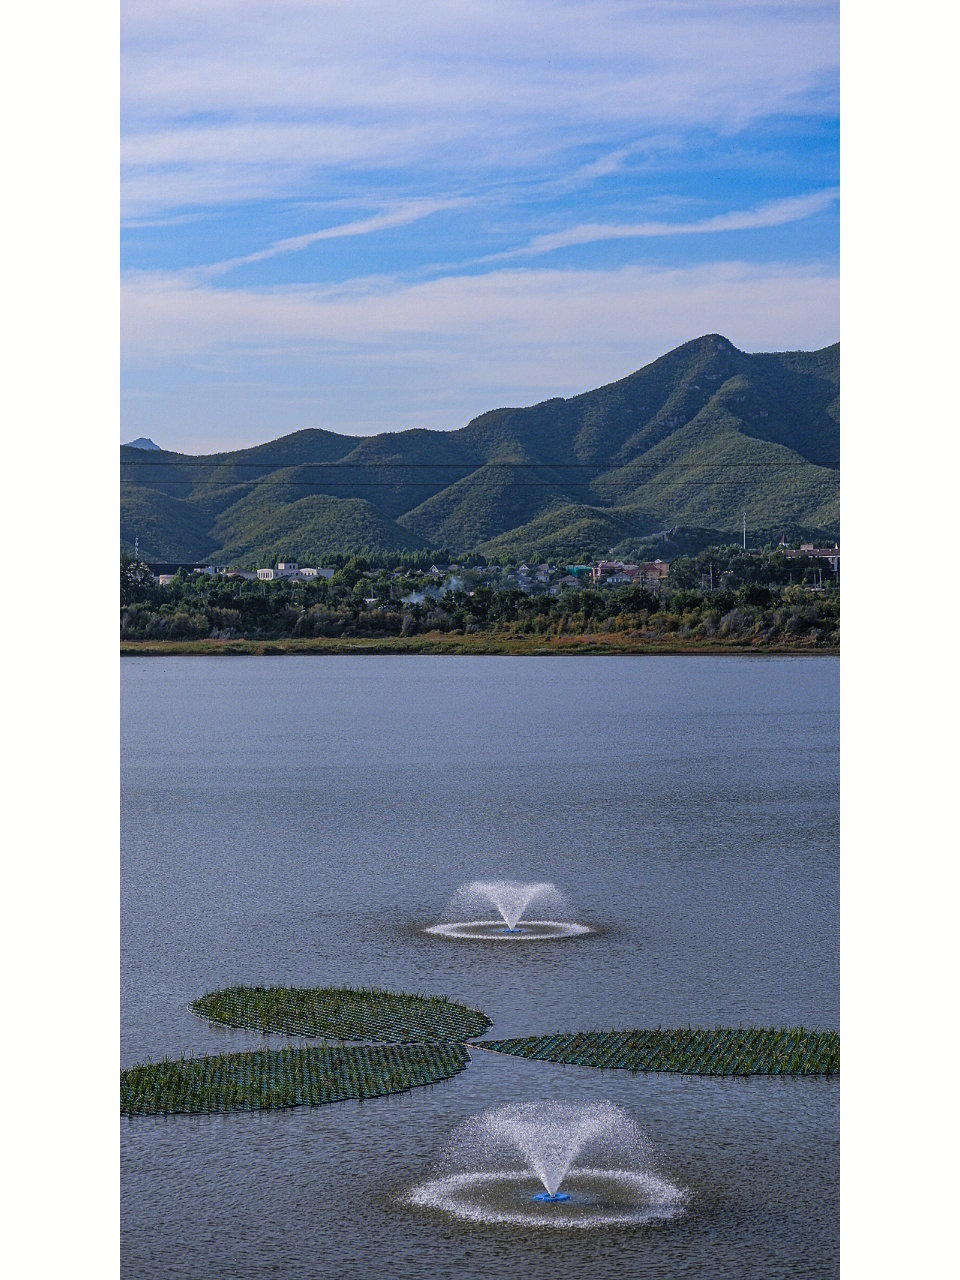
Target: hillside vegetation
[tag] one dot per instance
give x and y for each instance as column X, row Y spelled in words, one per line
column 703, row 436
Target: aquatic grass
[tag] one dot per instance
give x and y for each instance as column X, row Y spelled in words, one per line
column 343, row 1013
column 273, row 1079
column 721, row 1051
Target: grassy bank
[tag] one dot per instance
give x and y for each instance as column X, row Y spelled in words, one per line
column 437, row 643
column 777, row 1051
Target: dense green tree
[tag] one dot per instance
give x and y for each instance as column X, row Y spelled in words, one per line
column 755, row 598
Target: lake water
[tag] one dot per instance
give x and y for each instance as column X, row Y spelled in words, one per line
column 299, row 820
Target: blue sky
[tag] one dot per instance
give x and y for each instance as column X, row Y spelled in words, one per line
column 366, row 216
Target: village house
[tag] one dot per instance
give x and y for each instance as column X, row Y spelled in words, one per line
column 809, row 549
column 290, row 569
column 603, row 568
column 654, row 573
column 614, row 572
column 168, row 569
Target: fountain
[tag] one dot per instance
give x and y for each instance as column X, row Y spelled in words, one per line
column 510, row 898
column 508, row 1165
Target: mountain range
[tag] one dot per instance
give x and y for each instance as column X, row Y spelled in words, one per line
column 702, row 437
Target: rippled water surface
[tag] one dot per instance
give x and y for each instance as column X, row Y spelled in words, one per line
column 300, row 820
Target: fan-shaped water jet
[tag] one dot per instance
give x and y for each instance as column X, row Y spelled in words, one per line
column 508, row 1165
column 511, row 899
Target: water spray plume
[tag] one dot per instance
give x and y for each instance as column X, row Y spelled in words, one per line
column 553, row 1164
column 525, row 911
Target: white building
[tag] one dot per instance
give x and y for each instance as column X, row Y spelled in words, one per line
column 290, row 569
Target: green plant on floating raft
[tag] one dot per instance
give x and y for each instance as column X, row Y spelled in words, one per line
column 272, row 1079
column 718, row 1052
column 343, row 1013
column 427, row 1034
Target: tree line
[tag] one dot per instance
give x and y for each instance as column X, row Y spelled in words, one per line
column 720, row 594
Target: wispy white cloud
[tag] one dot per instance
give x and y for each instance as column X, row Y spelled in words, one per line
column 507, row 317
column 301, row 143
column 536, row 112
column 774, row 213
column 173, row 220
column 227, row 101
column 401, row 216
column 384, row 354
column 604, row 165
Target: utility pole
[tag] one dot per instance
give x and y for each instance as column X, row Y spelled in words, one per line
column 744, row 531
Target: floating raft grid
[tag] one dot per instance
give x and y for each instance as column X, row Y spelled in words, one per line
column 341, row 1012
column 778, row 1051
column 272, row 1079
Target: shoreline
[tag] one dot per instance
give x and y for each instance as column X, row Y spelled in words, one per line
column 465, row 646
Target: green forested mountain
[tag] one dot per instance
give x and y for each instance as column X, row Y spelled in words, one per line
column 700, row 437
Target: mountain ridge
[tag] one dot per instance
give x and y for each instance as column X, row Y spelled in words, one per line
column 702, row 436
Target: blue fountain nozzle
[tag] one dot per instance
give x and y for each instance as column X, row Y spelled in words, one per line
column 517, row 929
column 546, row 1198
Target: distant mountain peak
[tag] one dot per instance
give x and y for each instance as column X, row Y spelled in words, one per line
column 696, row 439
column 706, row 342
column 141, row 442
column 712, row 340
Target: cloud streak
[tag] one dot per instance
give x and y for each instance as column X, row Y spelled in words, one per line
column 523, row 130
column 775, row 213
column 500, row 313
column 401, row 216
column 228, row 101
column 381, row 354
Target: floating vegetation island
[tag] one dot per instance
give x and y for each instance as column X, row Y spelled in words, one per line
column 426, row 1038
column 778, row 1051
column 343, row 1013
column 271, row 1079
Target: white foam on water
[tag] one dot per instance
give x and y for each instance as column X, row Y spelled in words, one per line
column 497, row 1161
column 511, row 899
column 496, row 931
column 641, row 1197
